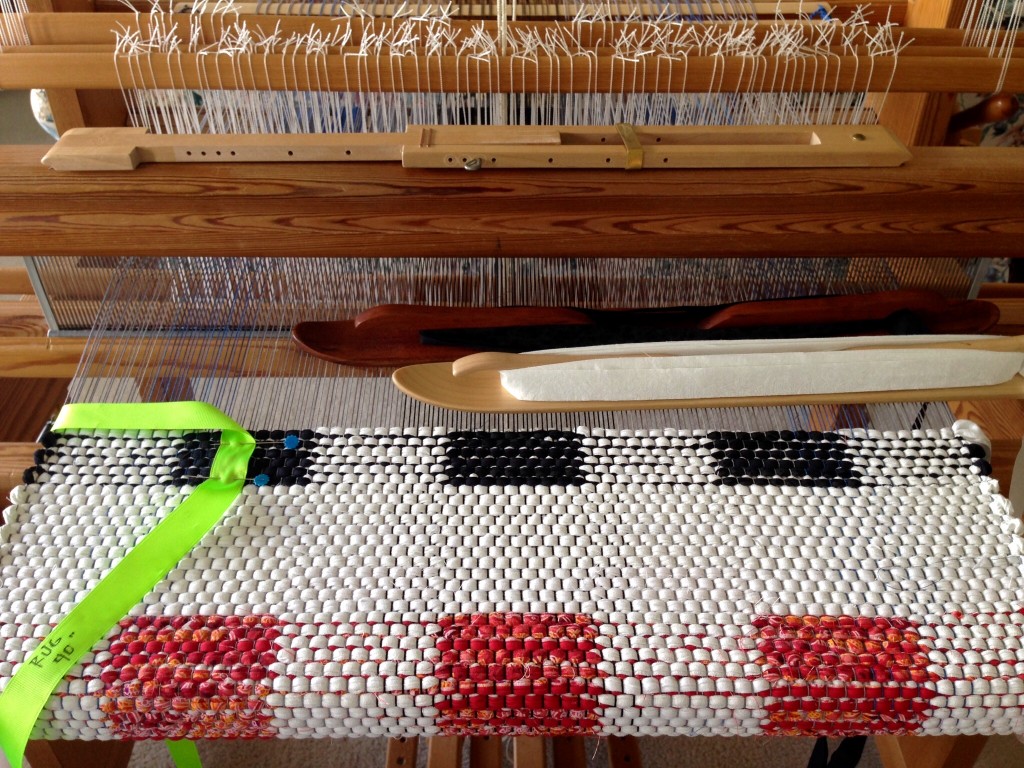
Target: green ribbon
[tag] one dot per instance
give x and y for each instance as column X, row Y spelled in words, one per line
column 140, row 570
column 185, row 754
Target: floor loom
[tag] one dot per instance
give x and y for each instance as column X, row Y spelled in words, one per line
column 562, row 228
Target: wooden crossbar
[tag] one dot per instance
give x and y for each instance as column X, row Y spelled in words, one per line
column 475, row 147
column 507, row 74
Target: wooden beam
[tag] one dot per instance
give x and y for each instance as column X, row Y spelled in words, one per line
column 929, row 73
column 929, row 751
column 14, row 281
column 951, row 201
column 22, row 317
column 42, row 357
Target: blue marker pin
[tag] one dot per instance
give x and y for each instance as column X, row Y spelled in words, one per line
column 291, row 442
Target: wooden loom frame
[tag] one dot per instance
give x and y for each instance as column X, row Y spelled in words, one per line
column 945, row 202
column 918, row 112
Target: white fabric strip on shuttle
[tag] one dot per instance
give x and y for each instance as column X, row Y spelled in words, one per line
column 738, row 346
column 760, row 374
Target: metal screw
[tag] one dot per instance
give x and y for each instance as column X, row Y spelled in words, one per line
column 473, row 164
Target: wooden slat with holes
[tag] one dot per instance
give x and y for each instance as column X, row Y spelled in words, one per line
column 401, row 752
column 498, row 147
column 623, row 752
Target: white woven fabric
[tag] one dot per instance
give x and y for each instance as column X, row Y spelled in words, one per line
column 419, row 582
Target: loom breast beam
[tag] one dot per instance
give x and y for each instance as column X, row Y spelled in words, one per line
column 478, row 383
column 475, row 147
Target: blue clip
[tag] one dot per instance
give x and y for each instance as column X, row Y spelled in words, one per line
column 261, row 480
column 291, row 442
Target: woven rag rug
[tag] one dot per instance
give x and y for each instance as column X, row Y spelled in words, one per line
column 399, row 582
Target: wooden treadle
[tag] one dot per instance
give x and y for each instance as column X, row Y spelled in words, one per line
column 478, row 147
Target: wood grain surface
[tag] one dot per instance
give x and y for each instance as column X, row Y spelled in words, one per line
column 932, row 71
column 14, row 281
column 22, row 317
column 945, row 202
